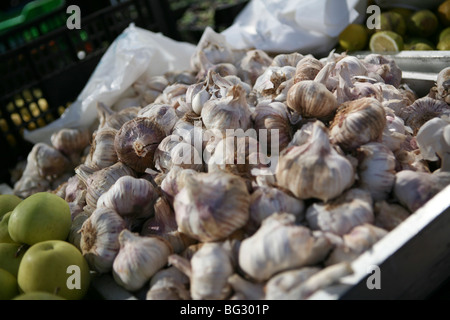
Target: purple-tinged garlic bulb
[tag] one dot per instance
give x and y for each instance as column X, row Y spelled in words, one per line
column 137, row 141
column 385, row 67
column 360, row 239
column 280, row 245
column 311, row 99
column 102, row 153
column 422, row 110
column 165, row 115
column 211, row 206
column 175, row 180
column 389, row 215
column 307, row 69
column 376, row 169
column 138, row 259
column 315, row 169
column 358, row 122
column 413, row 189
column 99, row 241
column 340, row 215
column 252, row 65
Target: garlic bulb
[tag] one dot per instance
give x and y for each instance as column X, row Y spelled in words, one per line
column 311, row 99
column 71, row 142
column 389, row 215
column 307, row 69
column 358, row 122
column 280, row 245
column 74, row 236
column 385, row 67
column 138, row 259
column 266, row 200
column 433, row 139
column 395, row 132
column 211, row 206
column 286, row 59
column 339, row 216
column 315, row 169
column 413, row 189
column 174, row 94
column 253, row 64
column 273, row 81
column 115, row 119
column 175, row 180
column 208, row 270
column 376, row 170
column 174, row 151
column 136, row 142
column 164, row 225
column 360, row 239
column 99, row 241
column 230, row 112
column 269, row 116
column 165, row 115
column 423, row 110
column 443, row 85
column 49, row 161
column 150, row 87
column 100, row 181
column 130, row 197
column 168, row 284
column 102, row 153
column 247, row 289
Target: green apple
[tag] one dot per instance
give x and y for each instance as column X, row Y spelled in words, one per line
column 4, row 233
column 8, row 285
column 8, row 202
column 38, row 295
column 54, row 266
column 40, row 217
column 11, row 254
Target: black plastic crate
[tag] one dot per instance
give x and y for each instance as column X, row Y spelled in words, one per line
column 42, row 74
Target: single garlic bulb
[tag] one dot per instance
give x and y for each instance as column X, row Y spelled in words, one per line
column 169, row 284
column 384, row 67
column 98, row 182
column 265, row 201
column 358, row 122
column 395, row 132
column 136, row 142
column 71, row 142
column 286, row 59
column 269, row 116
column 389, row 215
column 376, row 170
column 138, row 259
column 279, row 245
column 315, row 169
column 360, row 239
column 130, row 197
column 175, row 180
column 273, row 81
column 165, row 115
column 173, row 95
column 230, row 112
column 246, row 289
column 50, row 162
column 211, row 206
column 208, row 270
column 311, row 100
column 99, row 241
column 253, row 64
column 174, row 151
column 443, row 85
column 339, row 216
column 102, row 153
column 307, row 69
column 413, row 189
column 150, row 87
column 74, row 236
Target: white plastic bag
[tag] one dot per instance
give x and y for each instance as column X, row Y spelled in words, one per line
column 305, row 26
column 134, row 52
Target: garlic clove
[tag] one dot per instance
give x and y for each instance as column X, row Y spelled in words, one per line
column 136, row 143
column 315, row 169
column 138, row 259
column 339, row 216
column 280, row 245
column 99, row 241
column 211, row 206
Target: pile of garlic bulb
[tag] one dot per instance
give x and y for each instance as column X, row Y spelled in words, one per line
column 159, row 204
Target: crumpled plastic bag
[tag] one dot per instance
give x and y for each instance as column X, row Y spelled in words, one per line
column 135, row 52
column 284, row 26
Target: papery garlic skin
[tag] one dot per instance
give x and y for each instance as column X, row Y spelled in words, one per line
column 211, row 267
column 102, row 153
column 165, row 115
column 169, row 284
column 280, row 245
column 212, row 205
column 339, row 216
column 100, row 238
column 253, row 64
column 376, row 169
column 138, row 259
column 389, row 215
column 315, row 169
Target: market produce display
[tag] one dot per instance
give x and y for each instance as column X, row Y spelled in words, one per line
column 400, row 29
column 248, row 176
